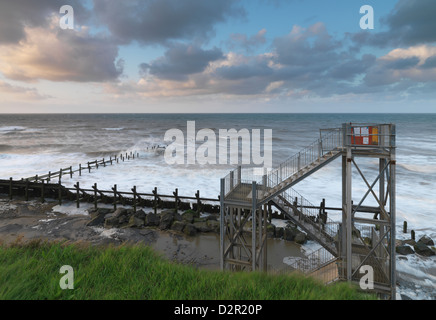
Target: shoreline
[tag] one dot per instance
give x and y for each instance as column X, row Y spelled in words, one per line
column 22, row 221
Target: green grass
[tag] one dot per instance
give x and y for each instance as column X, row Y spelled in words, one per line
column 31, row 271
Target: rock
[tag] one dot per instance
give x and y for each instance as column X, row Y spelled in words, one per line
column 270, row 231
column 426, row 241
column 135, row 222
column 188, row 217
column 140, row 214
column 190, row 230
column 97, row 217
column 213, row 225
column 300, row 238
column 279, row 232
column 178, row 226
column 423, row 250
column 120, row 212
column 404, row 250
column 152, row 220
column 111, row 222
column 202, row 226
column 290, row 232
column 166, row 220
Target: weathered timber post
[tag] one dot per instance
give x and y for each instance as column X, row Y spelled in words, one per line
column 115, row 196
column 155, row 200
column 95, row 195
column 42, row 192
column 27, row 190
column 176, row 205
column 60, row 193
column 197, row 195
column 10, row 188
column 77, row 195
column 134, row 198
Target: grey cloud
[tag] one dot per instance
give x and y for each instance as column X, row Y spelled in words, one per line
column 181, row 60
column 254, row 68
column 429, row 63
column 156, row 22
column 401, row 64
column 410, row 23
column 16, row 14
column 245, row 42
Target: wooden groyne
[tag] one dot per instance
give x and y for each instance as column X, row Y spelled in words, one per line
column 90, row 165
column 56, row 191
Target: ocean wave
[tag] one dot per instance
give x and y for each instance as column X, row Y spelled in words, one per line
column 113, row 129
column 9, row 129
column 418, row 168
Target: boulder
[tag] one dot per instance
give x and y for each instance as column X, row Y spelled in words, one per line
column 140, row 214
column 135, row 222
column 152, row 220
column 300, row 238
column 270, row 231
column 423, row 250
column 97, row 217
column 404, row 250
column 178, row 226
column 111, row 222
column 188, row 216
column 290, row 232
column 190, row 230
column 426, row 241
column 213, row 225
column 166, row 220
column 279, row 232
column 121, row 212
column 202, row 226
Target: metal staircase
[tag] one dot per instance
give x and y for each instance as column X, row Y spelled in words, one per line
column 246, row 198
column 298, row 210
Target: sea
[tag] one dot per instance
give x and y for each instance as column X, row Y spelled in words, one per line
column 33, row 144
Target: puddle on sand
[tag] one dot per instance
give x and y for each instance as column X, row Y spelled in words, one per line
column 203, row 250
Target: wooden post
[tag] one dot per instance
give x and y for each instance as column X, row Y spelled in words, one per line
column 80, row 169
column 71, row 172
column 49, row 176
column 42, row 192
column 96, row 164
column 95, row 195
column 405, row 227
column 104, row 163
column 60, row 174
column 176, row 193
column 10, row 188
column 134, row 198
column 115, row 196
column 77, row 195
column 27, row 190
column 89, row 168
column 197, row 195
column 412, row 234
column 155, row 200
column 60, row 193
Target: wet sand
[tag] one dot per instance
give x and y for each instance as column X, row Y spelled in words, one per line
column 25, row 221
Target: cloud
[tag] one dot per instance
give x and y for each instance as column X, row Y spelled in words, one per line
column 245, row 42
column 21, row 93
column 410, row 23
column 180, row 61
column 60, row 55
column 405, row 67
column 156, row 22
column 17, row 15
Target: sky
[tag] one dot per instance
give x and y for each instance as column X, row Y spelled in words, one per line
column 217, row 56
